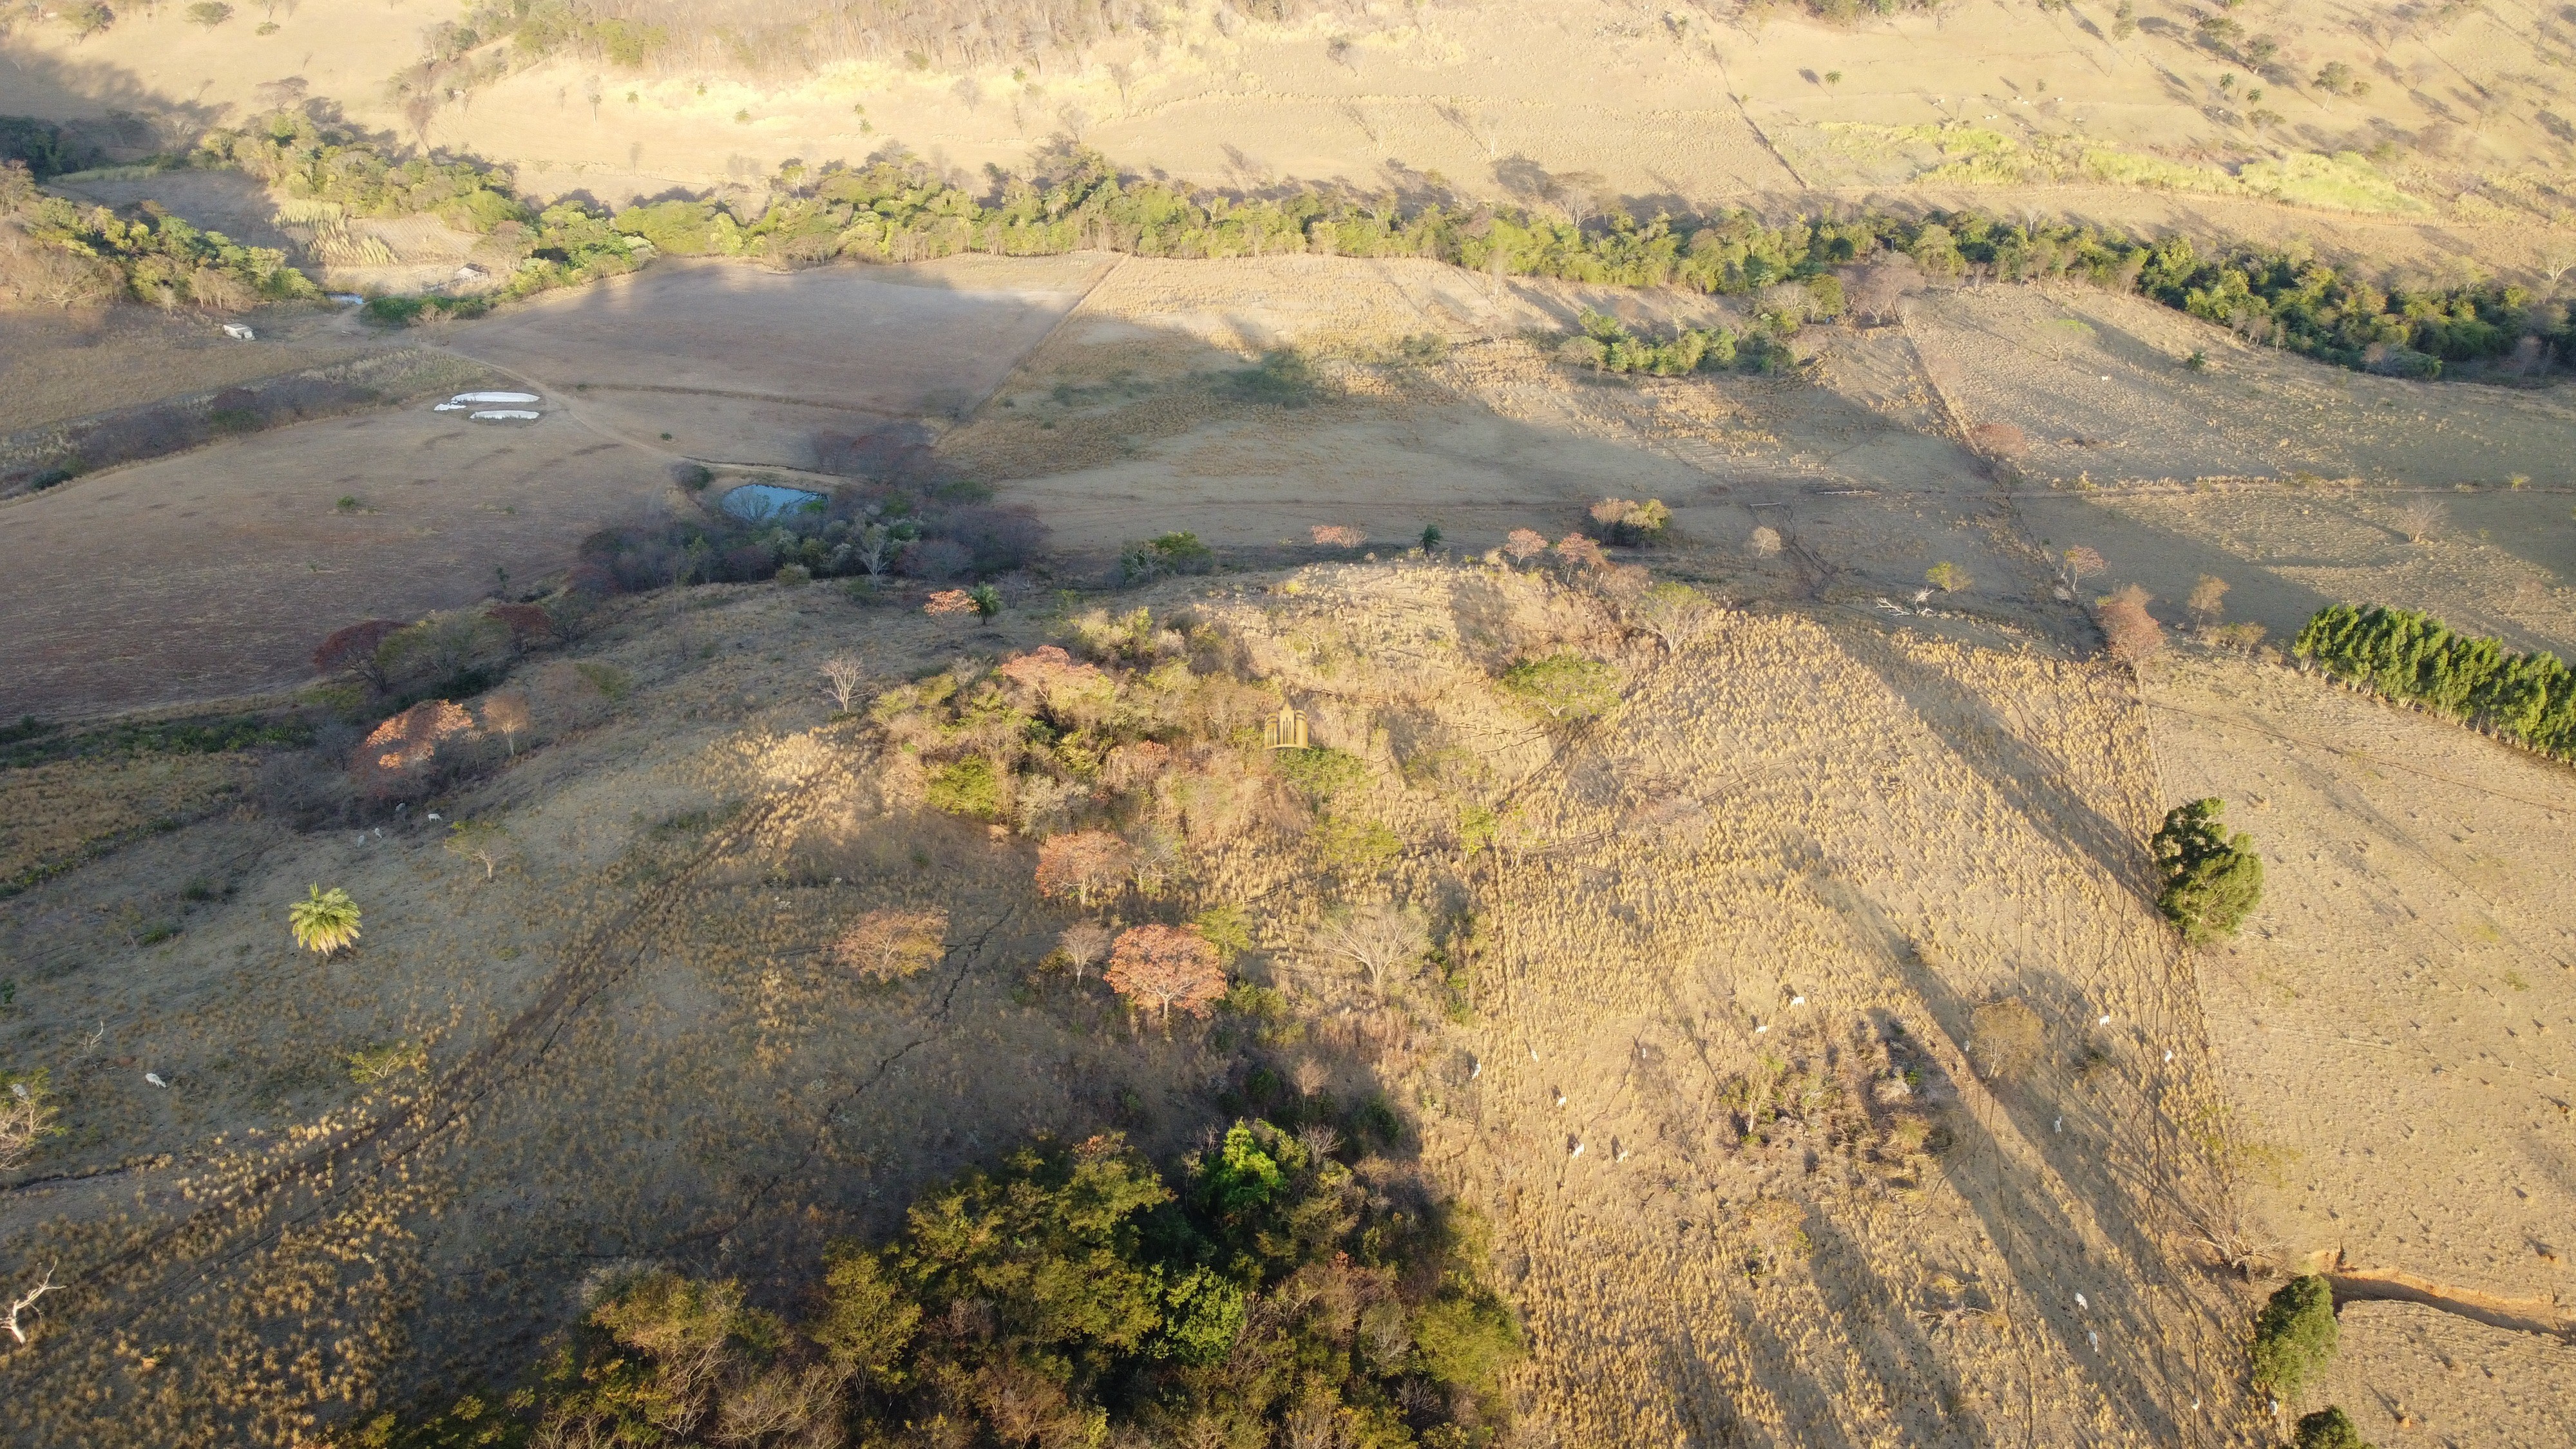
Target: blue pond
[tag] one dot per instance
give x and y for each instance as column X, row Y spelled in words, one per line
column 759, row 502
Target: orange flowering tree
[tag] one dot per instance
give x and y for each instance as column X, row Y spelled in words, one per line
column 1166, row 966
column 1081, row 862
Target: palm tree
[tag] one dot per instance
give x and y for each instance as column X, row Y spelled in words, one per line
column 325, row 921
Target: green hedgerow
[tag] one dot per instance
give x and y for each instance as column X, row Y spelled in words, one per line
column 2294, row 1336
column 2212, row 880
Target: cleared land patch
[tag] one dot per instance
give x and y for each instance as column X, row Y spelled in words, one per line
column 748, row 366
column 216, row 572
column 2403, row 1008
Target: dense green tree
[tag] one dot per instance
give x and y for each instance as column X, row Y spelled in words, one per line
column 2294, row 1336
column 2329, row 1428
column 1066, row 1296
column 2212, row 880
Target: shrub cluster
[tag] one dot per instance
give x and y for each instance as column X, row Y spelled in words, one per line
column 867, row 531
column 307, row 161
column 2294, row 1336
column 1168, row 553
column 34, row 742
column 2328, row 1428
column 44, row 148
column 2288, row 299
column 1074, row 1296
column 1565, row 687
column 150, row 256
column 2527, row 698
column 1607, row 345
column 1150, row 736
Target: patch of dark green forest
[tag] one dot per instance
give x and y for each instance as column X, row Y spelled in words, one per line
column 1268, row 1292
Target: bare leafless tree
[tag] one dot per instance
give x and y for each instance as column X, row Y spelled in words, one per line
column 26, row 1301
column 1380, row 939
column 876, row 549
column 841, row 677
column 2131, row 634
column 1084, row 944
column 2206, row 601
column 893, row 943
column 507, row 716
column 2421, row 519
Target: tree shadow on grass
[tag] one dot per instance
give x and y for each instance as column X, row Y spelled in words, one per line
column 2081, row 1219
column 2027, row 777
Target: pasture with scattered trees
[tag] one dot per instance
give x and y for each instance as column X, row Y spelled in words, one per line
column 759, row 922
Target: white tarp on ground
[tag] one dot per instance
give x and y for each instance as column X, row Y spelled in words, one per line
column 494, row 397
column 508, row 415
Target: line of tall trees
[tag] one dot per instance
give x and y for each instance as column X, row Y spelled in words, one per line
column 896, row 208
column 2528, row 698
column 1073, row 198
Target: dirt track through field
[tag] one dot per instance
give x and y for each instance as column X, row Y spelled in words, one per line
column 315, row 1183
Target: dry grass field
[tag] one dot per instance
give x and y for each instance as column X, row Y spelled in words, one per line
column 214, row 573
column 58, row 366
column 1732, row 942
column 232, row 561
column 1801, row 1023
column 2394, row 1031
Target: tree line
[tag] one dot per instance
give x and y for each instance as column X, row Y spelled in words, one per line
column 2527, row 698
column 897, row 208
column 1075, row 1295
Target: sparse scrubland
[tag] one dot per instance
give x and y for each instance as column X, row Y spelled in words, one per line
column 1396, row 909
column 1558, row 921
column 1522, row 807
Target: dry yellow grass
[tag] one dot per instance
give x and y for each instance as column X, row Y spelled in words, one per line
column 1790, row 843
column 53, row 815
column 1729, row 941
